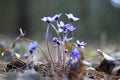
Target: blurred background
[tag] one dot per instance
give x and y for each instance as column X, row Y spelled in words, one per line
column 99, row 19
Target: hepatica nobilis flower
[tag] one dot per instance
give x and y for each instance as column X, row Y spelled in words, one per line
column 48, row 19
column 61, row 27
column 57, row 16
column 71, row 17
column 74, row 53
column 51, row 19
column 32, row 46
column 69, row 27
column 26, row 56
column 80, row 44
column 56, row 40
column 65, row 27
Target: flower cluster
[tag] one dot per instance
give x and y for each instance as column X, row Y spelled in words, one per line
column 64, row 30
column 61, row 26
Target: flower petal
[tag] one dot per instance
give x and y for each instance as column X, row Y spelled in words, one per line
column 69, row 27
column 32, row 46
column 75, row 53
column 71, row 17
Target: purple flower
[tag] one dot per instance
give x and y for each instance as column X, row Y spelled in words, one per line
column 71, row 17
column 69, row 27
column 58, row 42
column 54, row 39
column 25, row 56
column 48, row 19
column 51, row 19
column 74, row 53
column 80, row 44
column 57, row 16
column 61, row 27
column 32, row 46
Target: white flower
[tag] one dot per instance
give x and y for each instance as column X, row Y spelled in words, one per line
column 71, row 17
column 80, row 44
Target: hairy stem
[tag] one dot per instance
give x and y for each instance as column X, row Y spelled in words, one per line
column 49, row 53
column 59, row 38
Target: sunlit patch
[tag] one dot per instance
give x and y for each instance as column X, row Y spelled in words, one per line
column 115, row 3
